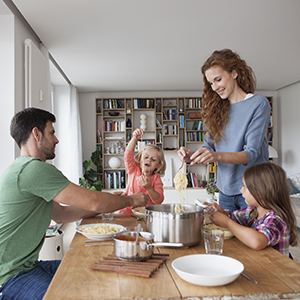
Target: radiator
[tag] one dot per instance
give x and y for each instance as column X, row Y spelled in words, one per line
column 37, row 78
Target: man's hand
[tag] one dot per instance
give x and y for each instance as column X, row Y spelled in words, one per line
column 139, row 199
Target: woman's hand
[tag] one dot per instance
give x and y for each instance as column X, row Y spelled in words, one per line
column 184, row 154
column 144, row 182
column 138, row 133
column 203, row 156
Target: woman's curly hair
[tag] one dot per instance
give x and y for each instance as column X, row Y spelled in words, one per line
column 215, row 110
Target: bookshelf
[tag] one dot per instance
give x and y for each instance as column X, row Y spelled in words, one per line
column 170, row 123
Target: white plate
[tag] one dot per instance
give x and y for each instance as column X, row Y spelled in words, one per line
column 207, row 270
column 94, row 236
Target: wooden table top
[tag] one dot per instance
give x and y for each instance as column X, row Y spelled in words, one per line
column 275, row 273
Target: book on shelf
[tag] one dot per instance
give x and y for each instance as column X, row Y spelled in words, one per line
column 158, row 123
column 269, row 137
column 181, row 121
column 99, row 136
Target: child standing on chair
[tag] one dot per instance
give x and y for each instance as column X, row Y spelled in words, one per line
column 144, row 171
column 269, row 219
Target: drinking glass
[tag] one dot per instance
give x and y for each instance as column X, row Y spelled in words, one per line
column 213, row 241
column 107, row 217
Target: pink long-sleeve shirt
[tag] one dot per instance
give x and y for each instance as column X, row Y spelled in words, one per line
column 133, row 185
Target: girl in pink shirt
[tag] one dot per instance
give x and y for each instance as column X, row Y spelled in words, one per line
column 144, row 171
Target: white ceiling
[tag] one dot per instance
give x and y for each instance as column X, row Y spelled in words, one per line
column 144, row 45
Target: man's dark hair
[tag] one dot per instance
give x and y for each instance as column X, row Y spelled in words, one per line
column 24, row 121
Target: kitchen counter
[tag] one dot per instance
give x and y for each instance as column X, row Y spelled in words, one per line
column 278, row 276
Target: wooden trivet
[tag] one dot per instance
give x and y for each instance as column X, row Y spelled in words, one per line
column 133, row 268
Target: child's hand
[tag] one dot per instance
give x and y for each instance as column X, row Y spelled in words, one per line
column 144, row 182
column 138, row 133
column 219, row 218
column 215, row 206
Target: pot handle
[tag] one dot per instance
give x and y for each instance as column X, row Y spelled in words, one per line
column 162, row 244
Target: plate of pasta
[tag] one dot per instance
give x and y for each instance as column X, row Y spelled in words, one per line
column 227, row 234
column 100, row 231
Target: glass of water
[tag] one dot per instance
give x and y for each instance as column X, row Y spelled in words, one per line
column 107, row 217
column 213, row 241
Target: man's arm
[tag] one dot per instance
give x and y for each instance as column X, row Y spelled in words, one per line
column 85, row 203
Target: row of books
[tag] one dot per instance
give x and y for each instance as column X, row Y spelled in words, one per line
column 198, row 125
column 192, row 180
column 115, row 180
column 193, row 103
column 170, row 129
column 113, row 125
column 112, row 103
column 140, row 145
column 195, row 136
column 143, row 103
column 170, row 114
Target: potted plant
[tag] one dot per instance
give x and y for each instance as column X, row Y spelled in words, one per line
column 212, row 190
column 89, row 178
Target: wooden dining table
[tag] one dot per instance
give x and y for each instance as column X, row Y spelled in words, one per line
column 278, row 276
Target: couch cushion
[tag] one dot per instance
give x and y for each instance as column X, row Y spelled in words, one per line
column 294, row 182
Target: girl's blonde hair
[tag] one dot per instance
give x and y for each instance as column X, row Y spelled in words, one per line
column 215, row 110
column 161, row 170
column 268, row 184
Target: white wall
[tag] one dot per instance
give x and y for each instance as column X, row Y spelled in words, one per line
column 288, row 100
column 7, row 90
column 12, row 36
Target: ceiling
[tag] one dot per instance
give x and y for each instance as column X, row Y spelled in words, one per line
column 160, row 45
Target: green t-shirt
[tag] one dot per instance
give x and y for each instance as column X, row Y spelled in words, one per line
column 27, row 188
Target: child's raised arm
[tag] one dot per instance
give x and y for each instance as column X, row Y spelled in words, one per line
column 136, row 135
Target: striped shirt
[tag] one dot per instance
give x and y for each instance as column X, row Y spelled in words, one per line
column 271, row 225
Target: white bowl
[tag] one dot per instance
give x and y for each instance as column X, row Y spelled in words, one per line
column 97, row 236
column 207, row 270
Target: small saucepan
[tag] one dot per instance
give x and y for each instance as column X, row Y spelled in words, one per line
column 126, row 247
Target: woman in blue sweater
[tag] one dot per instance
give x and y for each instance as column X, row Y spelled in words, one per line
column 235, row 122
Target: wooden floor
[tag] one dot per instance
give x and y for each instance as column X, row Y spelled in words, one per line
column 295, row 251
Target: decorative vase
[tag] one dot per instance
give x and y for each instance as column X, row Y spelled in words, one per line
column 143, row 120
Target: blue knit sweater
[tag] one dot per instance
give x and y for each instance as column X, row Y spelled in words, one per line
column 246, row 131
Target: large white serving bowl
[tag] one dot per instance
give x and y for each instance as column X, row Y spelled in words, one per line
column 207, row 269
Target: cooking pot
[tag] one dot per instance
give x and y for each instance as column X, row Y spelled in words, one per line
column 170, row 227
column 126, row 247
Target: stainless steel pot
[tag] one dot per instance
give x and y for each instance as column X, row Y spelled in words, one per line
column 137, row 251
column 170, row 227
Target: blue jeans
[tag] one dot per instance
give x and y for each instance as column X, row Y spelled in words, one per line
column 30, row 285
column 233, row 202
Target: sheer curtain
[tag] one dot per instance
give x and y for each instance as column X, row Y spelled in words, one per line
column 68, row 131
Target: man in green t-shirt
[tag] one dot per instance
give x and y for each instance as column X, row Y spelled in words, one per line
column 31, row 194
